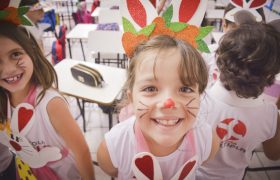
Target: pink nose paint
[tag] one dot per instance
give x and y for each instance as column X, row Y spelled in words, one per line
column 169, row 103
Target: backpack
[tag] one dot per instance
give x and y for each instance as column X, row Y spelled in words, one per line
column 59, row 45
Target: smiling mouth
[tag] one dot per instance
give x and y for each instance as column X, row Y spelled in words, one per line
column 168, row 123
column 13, row 78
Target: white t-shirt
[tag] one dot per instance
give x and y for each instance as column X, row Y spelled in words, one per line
column 120, row 141
column 42, row 136
column 241, row 124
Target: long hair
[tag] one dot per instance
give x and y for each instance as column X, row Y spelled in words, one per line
column 43, row 75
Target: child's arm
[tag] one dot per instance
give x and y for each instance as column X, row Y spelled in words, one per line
column 67, row 128
column 272, row 146
column 104, row 160
column 215, row 146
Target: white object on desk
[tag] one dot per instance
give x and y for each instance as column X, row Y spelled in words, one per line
column 114, row 80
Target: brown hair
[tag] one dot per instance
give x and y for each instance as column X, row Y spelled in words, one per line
column 233, row 24
column 248, row 58
column 43, row 73
column 192, row 67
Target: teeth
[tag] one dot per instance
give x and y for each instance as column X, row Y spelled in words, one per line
column 13, row 79
column 167, row 122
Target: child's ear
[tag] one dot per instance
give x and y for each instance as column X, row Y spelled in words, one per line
column 129, row 96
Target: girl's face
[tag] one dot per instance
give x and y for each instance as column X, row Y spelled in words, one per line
column 165, row 107
column 16, row 67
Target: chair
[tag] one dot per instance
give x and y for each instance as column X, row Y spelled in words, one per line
column 109, row 45
column 262, row 168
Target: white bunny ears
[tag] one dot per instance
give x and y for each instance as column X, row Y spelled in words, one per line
column 146, row 167
column 141, row 12
column 180, row 20
column 248, row 5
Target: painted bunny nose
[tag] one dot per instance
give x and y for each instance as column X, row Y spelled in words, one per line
column 169, row 103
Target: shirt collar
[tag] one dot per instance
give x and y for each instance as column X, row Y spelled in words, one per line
column 230, row 97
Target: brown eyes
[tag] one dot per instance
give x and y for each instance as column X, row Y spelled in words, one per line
column 184, row 89
column 16, row 55
column 150, row 89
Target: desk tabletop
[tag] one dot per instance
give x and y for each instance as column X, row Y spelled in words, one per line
column 114, row 81
column 81, row 31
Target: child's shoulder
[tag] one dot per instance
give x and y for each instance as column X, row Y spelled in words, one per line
column 49, row 94
column 125, row 126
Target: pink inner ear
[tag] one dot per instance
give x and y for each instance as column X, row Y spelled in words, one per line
column 24, row 115
column 187, row 169
column 4, row 4
column 238, row 2
column 137, row 12
column 257, row 3
column 145, row 165
column 187, row 9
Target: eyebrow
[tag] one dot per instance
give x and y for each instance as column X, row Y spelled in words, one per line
column 16, row 49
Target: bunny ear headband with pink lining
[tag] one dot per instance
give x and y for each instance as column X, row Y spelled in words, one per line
column 248, row 5
column 11, row 12
column 180, row 20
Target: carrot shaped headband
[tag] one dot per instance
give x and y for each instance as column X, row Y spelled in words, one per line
column 248, row 5
column 9, row 11
column 141, row 22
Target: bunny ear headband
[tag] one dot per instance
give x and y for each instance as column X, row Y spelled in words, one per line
column 248, row 5
column 180, row 20
column 9, row 11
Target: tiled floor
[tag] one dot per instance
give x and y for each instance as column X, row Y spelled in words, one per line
column 97, row 125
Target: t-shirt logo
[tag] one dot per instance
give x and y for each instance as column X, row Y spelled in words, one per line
column 231, row 129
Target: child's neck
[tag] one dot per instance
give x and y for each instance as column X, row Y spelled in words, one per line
column 159, row 150
column 18, row 97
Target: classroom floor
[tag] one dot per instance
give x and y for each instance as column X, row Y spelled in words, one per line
column 97, row 123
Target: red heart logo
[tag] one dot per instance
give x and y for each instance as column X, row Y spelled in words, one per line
column 145, row 165
column 186, row 170
column 24, row 115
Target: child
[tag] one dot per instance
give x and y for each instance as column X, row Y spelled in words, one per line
column 35, row 120
column 233, row 17
column 229, row 21
column 248, row 59
column 35, row 14
column 166, row 77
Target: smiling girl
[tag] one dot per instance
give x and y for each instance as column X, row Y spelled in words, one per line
column 166, row 77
